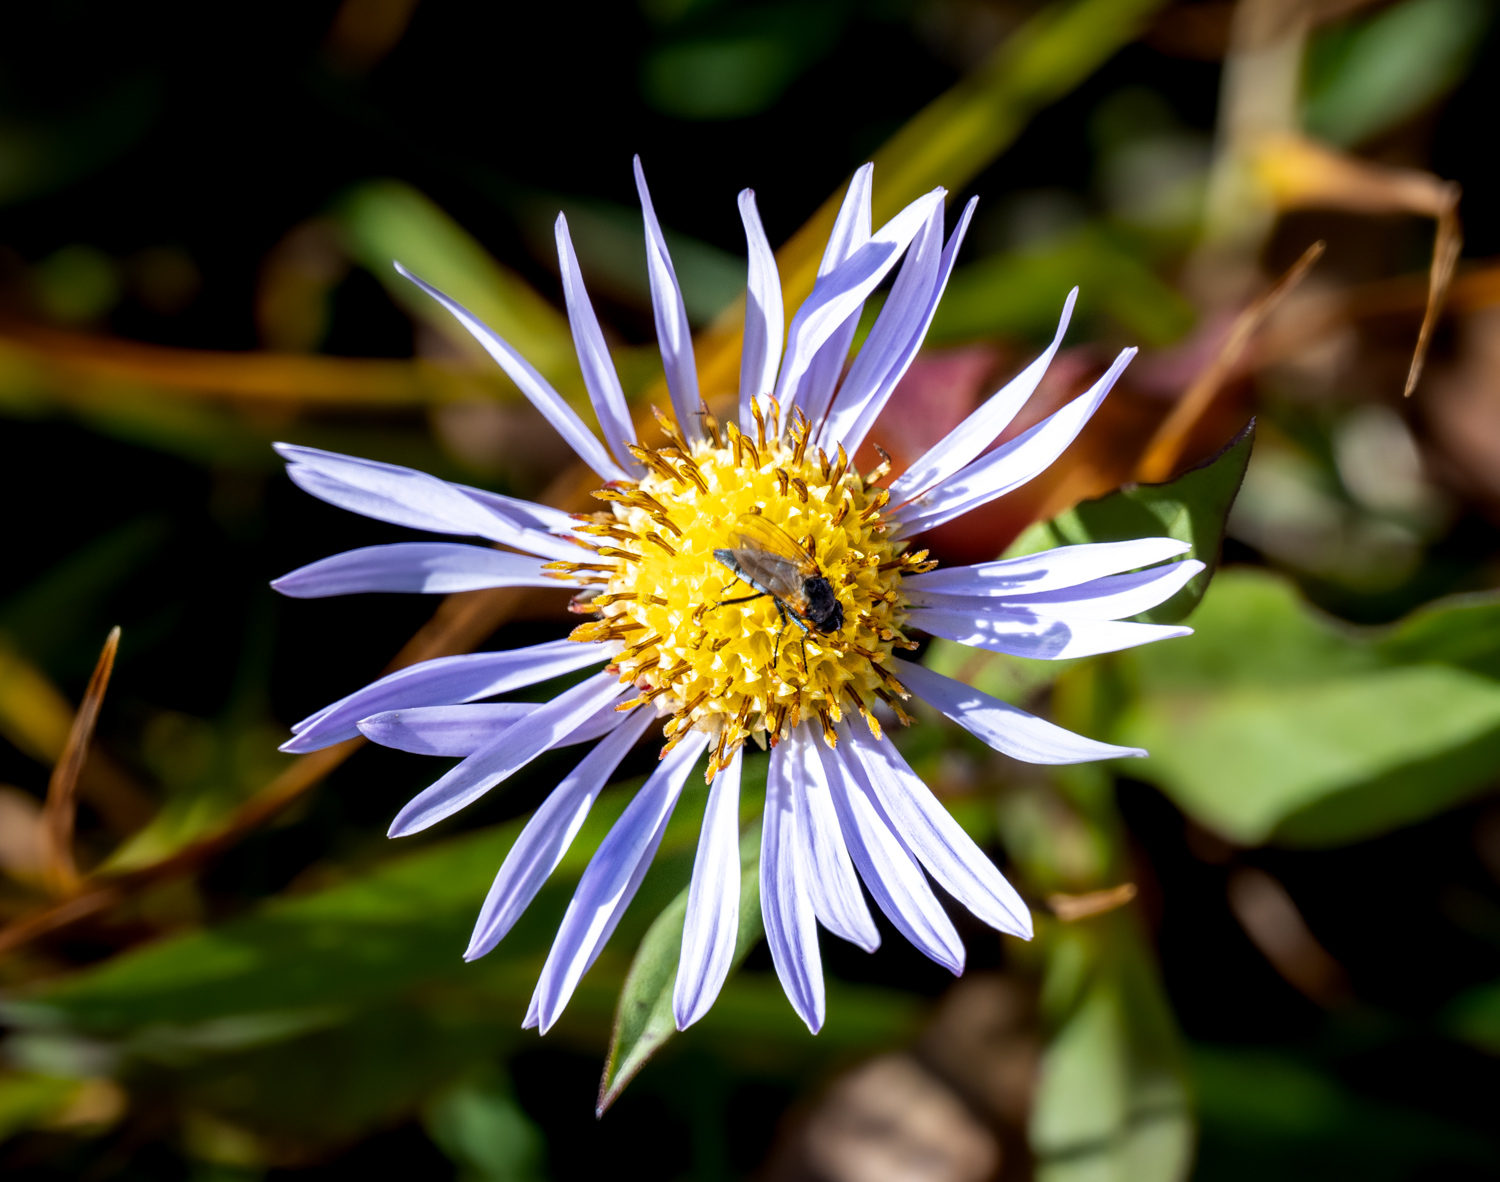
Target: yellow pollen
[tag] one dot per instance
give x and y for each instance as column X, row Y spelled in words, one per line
column 754, row 668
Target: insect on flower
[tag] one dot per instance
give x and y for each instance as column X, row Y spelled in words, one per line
column 767, row 500
column 765, row 556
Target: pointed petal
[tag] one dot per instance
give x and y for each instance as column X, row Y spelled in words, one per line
column 884, row 862
column 673, row 333
column 550, row 833
column 960, row 867
column 713, row 909
column 443, row 682
column 1110, row 598
column 897, row 334
column 605, row 391
column 525, row 514
column 851, row 230
column 837, row 899
column 537, row 389
column 404, row 496
column 1023, row 633
column 434, row 568
column 838, row 294
column 611, row 880
column 443, row 730
column 765, row 318
column 506, row 754
column 982, row 427
column 1048, row 570
column 1010, row 465
column 786, row 908
column 462, row 730
column 1004, row 727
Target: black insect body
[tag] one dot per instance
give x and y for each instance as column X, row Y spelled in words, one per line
column 765, row 556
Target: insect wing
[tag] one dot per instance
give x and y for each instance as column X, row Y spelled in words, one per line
column 752, row 532
column 770, row 573
column 770, row 560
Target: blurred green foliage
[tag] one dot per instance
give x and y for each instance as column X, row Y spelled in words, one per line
column 305, row 993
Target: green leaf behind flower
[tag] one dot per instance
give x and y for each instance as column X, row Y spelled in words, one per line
column 1274, row 723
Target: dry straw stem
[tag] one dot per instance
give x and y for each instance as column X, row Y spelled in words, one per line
column 1166, row 446
column 947, row 143
column 1405, row 295
column 61, row 810
column 1302, row 174
column 37, row 719
column 76, row 366
column 1072, row 908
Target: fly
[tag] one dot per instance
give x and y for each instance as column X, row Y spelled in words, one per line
column 764, row 556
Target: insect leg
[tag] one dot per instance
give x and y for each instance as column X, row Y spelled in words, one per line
column 776, row 644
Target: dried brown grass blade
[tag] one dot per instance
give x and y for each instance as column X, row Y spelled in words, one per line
column 1445, row 251
column 1166, row 446
column 1072, row 908
column 61, row 810
column 1302, row 174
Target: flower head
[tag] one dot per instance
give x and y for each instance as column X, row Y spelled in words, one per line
column 747, row 584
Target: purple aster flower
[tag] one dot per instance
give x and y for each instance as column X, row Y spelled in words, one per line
column 748, row 583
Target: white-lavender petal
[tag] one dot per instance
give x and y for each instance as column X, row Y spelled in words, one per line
column 404, row 496
column 538, row 390
column 786, row 907
column 549, row 834
column 460, row 730
column 984, row 426
column 837, row 899
column 863, row 396
column 433, row 568
column 1047, row 570
column 765, row 319
column 884, row 862
column 511, row 750
column 851, row 230
column 599, row 376
column 1008, row 729
column 928, row 829
column 1010, row 465
column 1112, row 597
column 836, row 296
column 674, row 336
column 613, row 876
column 444, row 681
column 1023, row 633
column 712, row 923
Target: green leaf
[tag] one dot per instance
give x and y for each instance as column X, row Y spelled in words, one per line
column 53, row 620
column 1113, row 1098
column 1274, row 723
column 1019, row 294
column 612, row 252
column 1269, row 1115
column 1368, row 77
column 1329, row 761
column 643, row 1018
column 27, row 1100
column 363, row 942
column 1193, row 509
column 1474, row 1017
column 386, row 221
column 482, row 1129
column 739, row 62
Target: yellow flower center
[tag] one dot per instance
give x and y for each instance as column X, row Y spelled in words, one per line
column 725, row 628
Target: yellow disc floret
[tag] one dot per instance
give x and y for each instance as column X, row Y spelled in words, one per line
column 758, row 666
